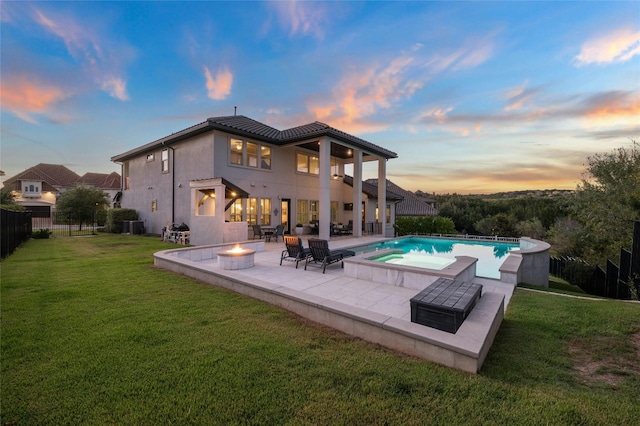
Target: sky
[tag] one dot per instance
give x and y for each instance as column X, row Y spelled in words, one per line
column 474, row 97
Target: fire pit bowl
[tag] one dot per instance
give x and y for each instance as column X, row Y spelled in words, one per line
column 235, row 258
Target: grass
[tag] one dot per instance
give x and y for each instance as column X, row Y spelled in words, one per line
column 92, row 333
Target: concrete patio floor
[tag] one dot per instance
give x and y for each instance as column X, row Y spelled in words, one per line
column 334, row 285
column 379, row 313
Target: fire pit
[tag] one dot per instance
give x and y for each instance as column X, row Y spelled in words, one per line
column 235, row 258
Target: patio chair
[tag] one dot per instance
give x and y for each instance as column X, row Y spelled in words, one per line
column 294, row 251
column 321, row 256
column 257, row 232
column 349, row 229
column 279, row 232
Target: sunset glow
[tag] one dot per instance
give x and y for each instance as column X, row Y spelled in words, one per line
column 475, row 97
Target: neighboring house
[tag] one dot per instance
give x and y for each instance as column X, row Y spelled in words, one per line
column 411, row 204
column 110, row 183
column 38, row 187
column 227, row 173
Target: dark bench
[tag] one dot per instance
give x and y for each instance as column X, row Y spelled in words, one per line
column 445, row 304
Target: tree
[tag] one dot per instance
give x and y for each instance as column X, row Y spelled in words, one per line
column 7, row 196
column 567, row 237
column 531, row 228
column 607, row 201
column 498, row 224
column 84, row 202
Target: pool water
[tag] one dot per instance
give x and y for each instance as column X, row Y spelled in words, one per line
column 416, row 259
column 421, row 251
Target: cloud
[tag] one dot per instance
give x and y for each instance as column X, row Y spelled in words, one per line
column 218, row 87
column 618, row 46
column 25, row 97
column 116, row 87
column 306, row 18
column 98, row 56
column 615, row 103
column 439, row 113
column 363, row 92
column 520, row 96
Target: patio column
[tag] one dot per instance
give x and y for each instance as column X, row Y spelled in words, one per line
column 357, row 193
column 382, row 193
column 324, row 189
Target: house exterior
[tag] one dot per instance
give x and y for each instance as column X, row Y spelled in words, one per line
column 410, row 204
column 227, row 173
column 38, row 187
column 110, row 183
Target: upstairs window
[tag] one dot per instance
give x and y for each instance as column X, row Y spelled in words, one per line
column 31, row 188
column 165, row 160
column 249, row 154
column 306, row 163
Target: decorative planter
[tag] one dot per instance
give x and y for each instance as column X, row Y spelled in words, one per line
column 299, row 230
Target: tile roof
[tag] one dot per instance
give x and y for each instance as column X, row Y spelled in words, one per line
column 372, row 190
column 244, row 126
column 411, row 205
column 101, row 180
column 54, row 176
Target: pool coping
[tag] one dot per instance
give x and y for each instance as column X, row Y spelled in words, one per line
column 465, row 350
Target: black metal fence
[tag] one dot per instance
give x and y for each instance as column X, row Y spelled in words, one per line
column 61, row 224
column 15, row 228
column 615, row 281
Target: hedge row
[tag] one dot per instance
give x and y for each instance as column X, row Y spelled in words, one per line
column 423, row 225
column 115, row 217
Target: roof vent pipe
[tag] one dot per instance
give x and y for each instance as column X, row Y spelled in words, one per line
column 235, row 109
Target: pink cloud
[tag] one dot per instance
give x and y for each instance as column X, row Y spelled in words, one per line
column 116, row 87
column 618, row 46
column 25, row 97
column 362, row 93
column 218, row 87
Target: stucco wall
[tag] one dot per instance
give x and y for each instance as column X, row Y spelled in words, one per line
column 206, row 156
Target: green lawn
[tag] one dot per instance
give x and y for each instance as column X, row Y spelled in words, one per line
column 92, row 333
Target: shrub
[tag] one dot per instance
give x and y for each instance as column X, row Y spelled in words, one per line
column 41, row 234
column 423, row 225
column 115, row 217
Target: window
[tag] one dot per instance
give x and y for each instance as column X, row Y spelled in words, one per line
column 335, row 206
column 265, row 211
column 127, row 178
column 252, row 211
column 335, row 168
column 235, row 150
column 165, row 160
column 31, row 189
column 236, row 211
column 314, row 211
column 303, row 211
column 252, row 154
column 249, row 154
column 302, row 163
column 306, row 163
column 388, row 210
column 265, row 155
column 154, row 206
column 151, row 157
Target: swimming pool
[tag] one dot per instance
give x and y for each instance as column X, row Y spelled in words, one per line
column 428, row 251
